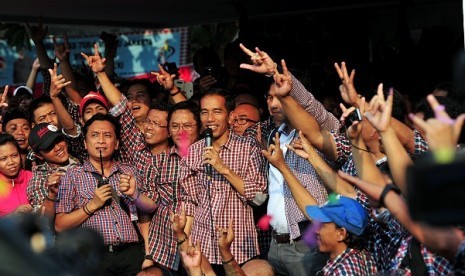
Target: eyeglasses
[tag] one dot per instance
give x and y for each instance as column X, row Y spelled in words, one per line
column 154, row 124
column 243, row 121
column 187, row 127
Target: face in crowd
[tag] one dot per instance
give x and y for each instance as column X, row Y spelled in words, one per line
column 274, row 106
column 91, row 109
column 46, row 114
column 245, row 116
column 101, row 137
column 138, row 101
column 57, row 153
column 19, row 129
column 156, row 127
column 214, row 115
column 10, row 160
column 183, row 127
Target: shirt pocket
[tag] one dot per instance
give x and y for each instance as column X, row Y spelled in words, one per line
column 85, row 196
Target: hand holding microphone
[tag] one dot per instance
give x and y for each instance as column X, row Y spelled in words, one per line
column 208, row 145
column 211, row 157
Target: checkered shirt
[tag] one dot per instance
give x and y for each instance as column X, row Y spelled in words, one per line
column 351, row 262
column 161, row 173
column 299, row 166
column 459, row 262
column 77, row 188
column 37, row 185
column 435, row 265
column 243, row 157
column 75, row 142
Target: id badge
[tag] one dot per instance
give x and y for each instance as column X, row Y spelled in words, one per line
column 133, row 211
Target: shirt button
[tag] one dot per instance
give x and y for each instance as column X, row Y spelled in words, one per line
column 116, row 222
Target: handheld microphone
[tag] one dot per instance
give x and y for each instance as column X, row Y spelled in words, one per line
column 208, row 143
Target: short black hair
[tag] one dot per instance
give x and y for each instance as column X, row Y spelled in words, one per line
column 151, row 87
column 7, row 138
column 229, row 100
column 36, row 103
column 353, row 241
column 189, row 106
column 102, row 117
column 12, row 114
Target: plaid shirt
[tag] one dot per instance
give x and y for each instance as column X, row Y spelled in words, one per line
column 75, row 142
column 37, row 186
column 344, row 151
column 131, row 136
column 459, row 262
column 242, row 156
column 299, row 166
column 77, row 188
column 161, row 171
column 435, row 265
column 351, row 262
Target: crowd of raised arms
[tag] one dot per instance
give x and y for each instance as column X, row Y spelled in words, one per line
column 277, row 185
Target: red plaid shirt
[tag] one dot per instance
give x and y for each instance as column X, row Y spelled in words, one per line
column 77, row 188
column 242, row 156
column 351, row 262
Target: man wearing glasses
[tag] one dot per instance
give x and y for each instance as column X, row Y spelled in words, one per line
column 245, row 116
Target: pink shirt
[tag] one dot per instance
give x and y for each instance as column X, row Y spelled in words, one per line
column 15, row 196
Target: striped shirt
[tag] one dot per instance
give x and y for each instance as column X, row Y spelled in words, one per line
column 77, row 188
column 242, row 155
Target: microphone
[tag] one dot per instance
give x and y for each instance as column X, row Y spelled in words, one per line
column 208, row 143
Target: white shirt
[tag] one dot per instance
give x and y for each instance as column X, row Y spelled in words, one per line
column 276, row 207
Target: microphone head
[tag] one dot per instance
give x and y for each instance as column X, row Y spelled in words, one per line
column 208, row 132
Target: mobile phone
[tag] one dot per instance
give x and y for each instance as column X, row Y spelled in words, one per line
column 353, row 117
column 210, row 71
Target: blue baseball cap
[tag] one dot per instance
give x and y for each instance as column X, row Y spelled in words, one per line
column 344, row 212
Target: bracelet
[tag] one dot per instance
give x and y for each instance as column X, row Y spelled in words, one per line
column 182, row 241
column 50, row 199
column 86, row 210
column 149, row 257
column 386, row 190
column 227, row 262
column 269, row 75
column 137, row 197
column 175, row 93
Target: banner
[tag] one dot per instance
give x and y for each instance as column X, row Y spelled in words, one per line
column 137, row 53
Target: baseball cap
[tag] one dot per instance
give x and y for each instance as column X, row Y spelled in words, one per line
column 22, row 88
column 343, row 211
column 92, row 97
column 43, row 135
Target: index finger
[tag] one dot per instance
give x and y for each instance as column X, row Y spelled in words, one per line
column 5, row 91
column 65, row 38
column 246, row 50
column 285, row 70
column 338, row 70
column 96, row 50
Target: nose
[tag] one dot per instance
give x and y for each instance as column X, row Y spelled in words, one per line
column 274, row 102
column 101, row 139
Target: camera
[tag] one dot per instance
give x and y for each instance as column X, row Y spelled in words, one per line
column 210, row 71
column 353, row 117
column 107, row 37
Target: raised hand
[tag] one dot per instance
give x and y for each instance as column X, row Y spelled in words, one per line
column 57, row 82
column 301, row 147
column 261, row 62
column 347, row 88
column 274, row 154
column 355, row 129
column 380, row 110
column 23, row 209
column 4, row 101
column 36, row 64
column 441, row 132
column 95, row 62
column 225, row 236
column 283, row 81
column 53, row 181
column 192, row 257
column 38, row 32
column 164, row 78
column 62, row 50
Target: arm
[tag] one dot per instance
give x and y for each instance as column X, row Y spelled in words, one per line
column 329, row 176
column 128, row 186
column 57, row 84
column 144, row 224
column 302, row 197
column 167, row 81
column 31, row 80
column 226, row 237
column 98, row 67
column 379, row 115
column 111, row 45
column 444, row 241
column 62, row 54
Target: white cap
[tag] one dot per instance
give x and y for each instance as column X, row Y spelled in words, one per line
column 22, row 86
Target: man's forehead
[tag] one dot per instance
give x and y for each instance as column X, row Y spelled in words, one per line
column 213, row 102
column 17, row 121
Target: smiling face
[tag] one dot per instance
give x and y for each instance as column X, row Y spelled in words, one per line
column 57, row 153
column 245, row 113
column 156, row 127
column 213, row 114
column 184, row 129
column 138, row 101
column 101, row 136
column 10, row 160
column 19, row 129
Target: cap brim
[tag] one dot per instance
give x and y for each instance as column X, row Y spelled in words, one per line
column 46, row 143
column 315, row 213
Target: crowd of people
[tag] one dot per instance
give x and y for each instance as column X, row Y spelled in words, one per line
column 252, row 175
